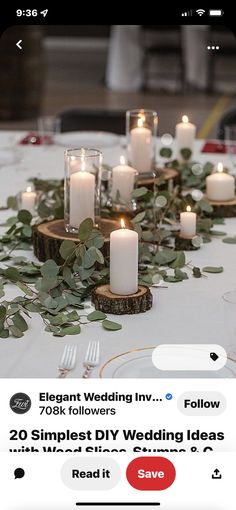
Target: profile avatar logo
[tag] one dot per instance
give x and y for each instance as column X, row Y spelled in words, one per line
column 20, row 403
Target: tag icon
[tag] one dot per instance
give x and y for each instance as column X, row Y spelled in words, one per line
column 214, row 356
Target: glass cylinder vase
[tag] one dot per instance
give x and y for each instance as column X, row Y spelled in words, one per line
column 123, row 181
column 141, row 132
column 82, row 187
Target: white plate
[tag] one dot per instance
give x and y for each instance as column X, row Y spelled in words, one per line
column 89, row 139
column 138, row 364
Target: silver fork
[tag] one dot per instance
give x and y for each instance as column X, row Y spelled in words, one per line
column 91, row 358
column 68, row 360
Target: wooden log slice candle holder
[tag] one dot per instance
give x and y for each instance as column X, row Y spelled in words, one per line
column 47, row 238
column 165, row 175
column 223, row 209
column 107, row 302
column 185, row 243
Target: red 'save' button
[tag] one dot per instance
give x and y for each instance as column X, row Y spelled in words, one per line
column 150, row 473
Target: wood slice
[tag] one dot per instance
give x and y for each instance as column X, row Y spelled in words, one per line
column 47, row 238
column 165, row 174
column 223, row 209
column 107, row 302
column 185, row 243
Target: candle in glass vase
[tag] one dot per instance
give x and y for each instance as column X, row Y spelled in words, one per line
column 185, row 133
column 123, row 177
column 124, row 261
column 219, row 185
column 188, row 222
column 141, row 146
column 82, row 196
column 28, row 200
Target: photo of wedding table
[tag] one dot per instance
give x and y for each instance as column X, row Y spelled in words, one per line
column 191, row 311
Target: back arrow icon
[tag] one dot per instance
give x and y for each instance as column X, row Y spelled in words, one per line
column 18, row 44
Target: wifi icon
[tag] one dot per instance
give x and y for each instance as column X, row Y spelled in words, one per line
column 200, row 12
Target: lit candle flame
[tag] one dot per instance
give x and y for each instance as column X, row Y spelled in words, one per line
column 28, row 189
column 122, row 160
column 141, row 120
column 122, row 223
column 188, row 208
column 185, row 119
column 220, row 167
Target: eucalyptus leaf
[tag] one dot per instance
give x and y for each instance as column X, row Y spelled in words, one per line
column 111, row 326
column 68, row 277
column 24, row 216
column 196, row 272
column 96, row 316
column 99, row 258
column 173, row 279
column 20, row 322
column 85, row 273
column 49, row 268
column 95, row 240
column 73, row 316
column 24, row 288
column 147, row 236
column 90, row 257
column 4, row 333
column 164, row 257
column 181, row 274
column 16, row 332
column 13, row 274
column 179, row 260
column 85, row 229
column 139, row 192
column 67, row 248
column 44, row 211
column 186, row 153
column 229, row 240
column 217, row 233
column 33, row 307
column 139, row 217
column 166, row 152
column 3, row 312
column 27, row 231
column 213, row 269
column 205, row 206
column 71, row 330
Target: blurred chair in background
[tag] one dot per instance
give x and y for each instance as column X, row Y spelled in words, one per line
column 228, row 119
column 76, row 119
column 161, row 43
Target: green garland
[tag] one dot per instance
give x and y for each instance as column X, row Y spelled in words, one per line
column 57, row 293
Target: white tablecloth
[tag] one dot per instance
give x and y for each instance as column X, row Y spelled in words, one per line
column 186, row 312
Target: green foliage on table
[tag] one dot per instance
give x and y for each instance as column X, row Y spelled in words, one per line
column 190, row 177
column 230, row 240
column 54, row 292
column 57, row 293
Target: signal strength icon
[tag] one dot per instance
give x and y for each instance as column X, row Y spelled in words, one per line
column 200, row 12
column 187, row 13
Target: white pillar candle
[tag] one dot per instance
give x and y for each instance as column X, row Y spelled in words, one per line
column 82, row 197
column 141, row 147
column 185, row 133
column 188, row 222
column 123, row 261
column 123, row 177
column 219, row 185
column 28, row 200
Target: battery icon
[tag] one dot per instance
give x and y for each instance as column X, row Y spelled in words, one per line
column 216, row 12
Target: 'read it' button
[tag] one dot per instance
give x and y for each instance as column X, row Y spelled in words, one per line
column 150, row 473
